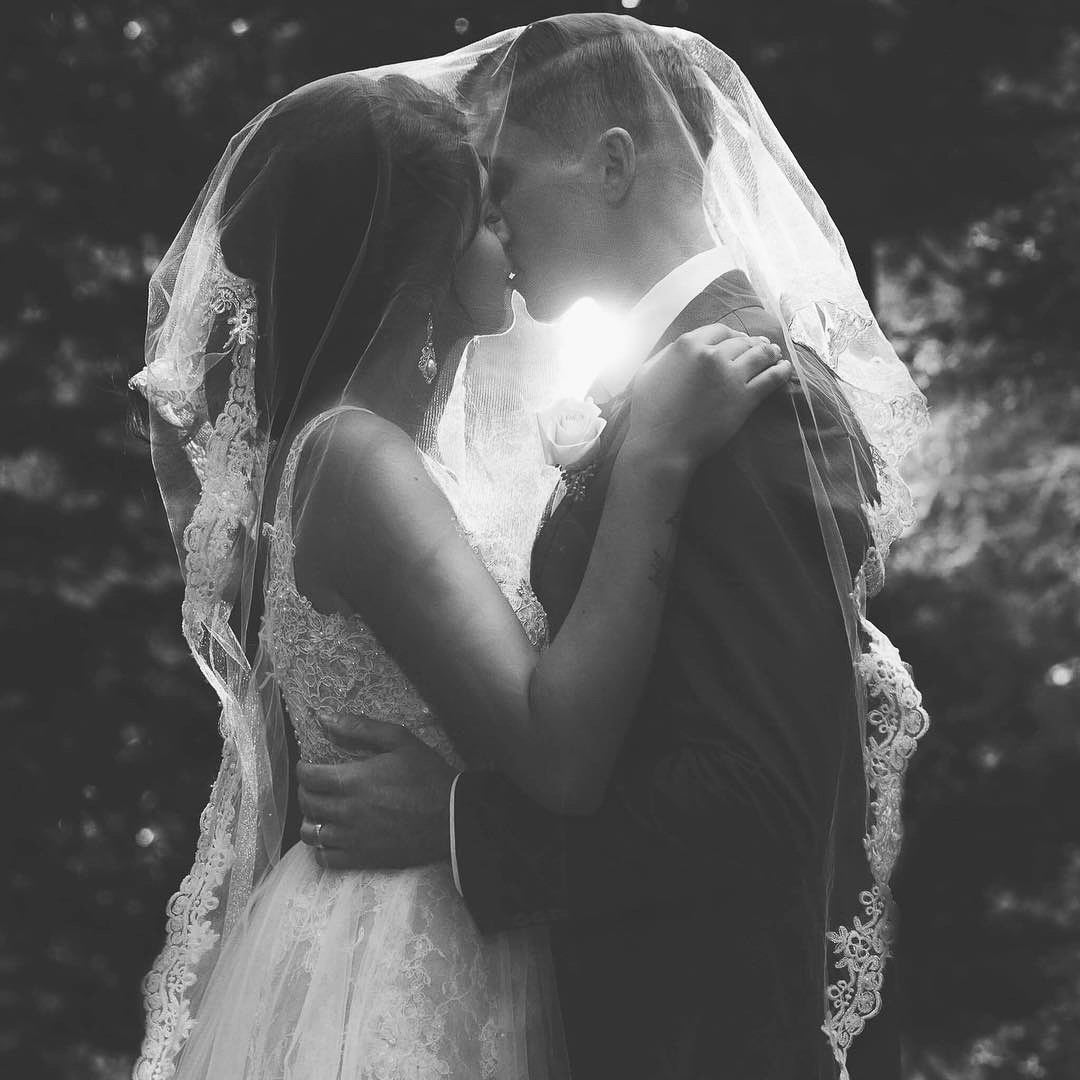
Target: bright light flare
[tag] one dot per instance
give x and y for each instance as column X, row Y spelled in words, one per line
column 592, row 339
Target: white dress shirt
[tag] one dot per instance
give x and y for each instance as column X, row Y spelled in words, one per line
column 647, row 320
column 650, row 317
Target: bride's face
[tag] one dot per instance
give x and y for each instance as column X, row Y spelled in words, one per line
column 482, row 281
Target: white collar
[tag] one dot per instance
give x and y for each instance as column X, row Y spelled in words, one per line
column 650, row 317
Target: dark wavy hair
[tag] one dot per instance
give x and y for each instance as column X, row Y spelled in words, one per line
column 348, row 209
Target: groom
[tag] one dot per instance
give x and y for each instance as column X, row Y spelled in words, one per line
column 689, row 913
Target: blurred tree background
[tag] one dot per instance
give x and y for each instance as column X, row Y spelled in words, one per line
column 946, row 140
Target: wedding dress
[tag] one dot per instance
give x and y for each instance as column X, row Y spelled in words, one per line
column 370, row 975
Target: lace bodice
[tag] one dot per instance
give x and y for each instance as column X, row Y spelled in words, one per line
column 326, row 664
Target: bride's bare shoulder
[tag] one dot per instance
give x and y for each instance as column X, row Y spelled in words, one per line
column 358, row 451
column 366, row 487
column 354, row 429
column 365, row 505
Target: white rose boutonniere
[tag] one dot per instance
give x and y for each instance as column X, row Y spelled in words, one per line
column 569, row 429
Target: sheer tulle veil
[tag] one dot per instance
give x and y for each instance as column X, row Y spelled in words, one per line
column 324, row 238
column 304, row 276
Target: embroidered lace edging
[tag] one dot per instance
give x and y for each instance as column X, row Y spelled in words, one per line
column 896, row 721
column 862, row 950
column 228, row 464
column 189, row 934
column 234, row 455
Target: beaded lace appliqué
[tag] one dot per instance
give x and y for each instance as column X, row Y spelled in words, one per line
column 326, row 664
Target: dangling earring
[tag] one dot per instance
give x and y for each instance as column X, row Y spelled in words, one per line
column 428, row 365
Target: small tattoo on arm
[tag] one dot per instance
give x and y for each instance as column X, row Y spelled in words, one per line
column 660, row 565
column 659, row 571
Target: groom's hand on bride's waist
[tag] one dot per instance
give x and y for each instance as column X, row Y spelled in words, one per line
column 386, row 807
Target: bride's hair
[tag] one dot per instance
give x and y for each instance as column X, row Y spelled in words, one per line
column 348, row 210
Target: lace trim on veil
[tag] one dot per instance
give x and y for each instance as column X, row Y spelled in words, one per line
column 189, row 933
column 228, row 456
column 893, row 414
column 898, row 720
column 230, row 463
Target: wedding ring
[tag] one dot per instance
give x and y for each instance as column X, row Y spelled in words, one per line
column 318, row 834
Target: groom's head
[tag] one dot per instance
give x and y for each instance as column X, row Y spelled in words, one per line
column 596, row 155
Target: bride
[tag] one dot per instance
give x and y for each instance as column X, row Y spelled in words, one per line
column 304, row 334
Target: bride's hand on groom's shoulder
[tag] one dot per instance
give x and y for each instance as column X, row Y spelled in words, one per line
column 387, row 807
column 692, row 397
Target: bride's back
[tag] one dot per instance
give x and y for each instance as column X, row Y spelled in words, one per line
column 327, row 663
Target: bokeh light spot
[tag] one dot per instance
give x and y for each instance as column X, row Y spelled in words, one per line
column 1064, row 674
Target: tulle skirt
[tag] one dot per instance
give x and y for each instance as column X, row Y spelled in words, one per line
column 373, row 976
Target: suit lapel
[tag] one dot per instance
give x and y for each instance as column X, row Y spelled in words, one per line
column 727, row 294
column 568, row 529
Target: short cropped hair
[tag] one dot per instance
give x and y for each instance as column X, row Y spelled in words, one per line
column 569, row 74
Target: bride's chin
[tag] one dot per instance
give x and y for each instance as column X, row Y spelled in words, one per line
column 544, row 308
column 499, row 322
column 507, row 324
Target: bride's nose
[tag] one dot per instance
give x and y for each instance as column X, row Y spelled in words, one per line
column 502, row 231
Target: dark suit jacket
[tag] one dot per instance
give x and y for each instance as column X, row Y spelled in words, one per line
column 689, row 913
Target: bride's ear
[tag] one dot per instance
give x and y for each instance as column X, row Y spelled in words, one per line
column 618, row 160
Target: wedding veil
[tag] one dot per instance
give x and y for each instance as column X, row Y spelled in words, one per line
column 322, row 241
column 304, row 277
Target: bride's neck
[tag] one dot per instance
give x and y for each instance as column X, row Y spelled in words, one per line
column 407, row 402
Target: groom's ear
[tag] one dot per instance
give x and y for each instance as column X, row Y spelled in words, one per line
column 618, row 159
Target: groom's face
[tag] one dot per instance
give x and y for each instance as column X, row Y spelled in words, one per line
column 552, row 220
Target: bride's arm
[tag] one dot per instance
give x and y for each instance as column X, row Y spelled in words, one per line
column 377, row 537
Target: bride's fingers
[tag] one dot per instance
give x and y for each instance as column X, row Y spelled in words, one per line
column 713, row 334
column 771, row 379
column 753, row 361
column 732, row 349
